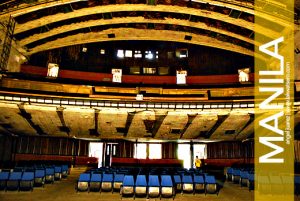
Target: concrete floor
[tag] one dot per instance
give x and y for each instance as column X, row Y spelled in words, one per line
column 64, row 190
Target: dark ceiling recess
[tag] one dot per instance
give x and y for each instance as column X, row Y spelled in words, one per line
column 229, row 132
column 111, row 35
column 187, row 37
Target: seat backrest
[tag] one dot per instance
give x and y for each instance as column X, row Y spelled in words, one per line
column 166, row 181
column 141, row 180
column 15, row 176
column 49, row 170
column 229, row 171
column 209, row 179
column 236, row 172
column 297, row 179
column 4, row 175
column 64, row 168
column 198, row 179
column 107, row 177
column 251, row 177
column 187, row 179
column 128, row 180
column 177, row 179
column 119, row 178
column 96, row 177
column 28, row 176
column 153, row 181
column 275, row 179
column 84, row 177
column 57, row 169
column 244, row 174
column 263, row 179
column 39, row 173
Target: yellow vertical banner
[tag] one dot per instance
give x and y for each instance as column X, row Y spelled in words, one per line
column 274, row 93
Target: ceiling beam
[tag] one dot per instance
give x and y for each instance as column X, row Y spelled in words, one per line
column 139, row 34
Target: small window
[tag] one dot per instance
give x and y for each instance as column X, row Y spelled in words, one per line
column 148, row 55
column 102, row 51
column 137, row 54
column 84, row 49
column 182, row 53
column 120, row 53
column 149, row 70
column 163, row 70
column 135, row 70
column 128, row 53
column 156, row 55
column 140, row 151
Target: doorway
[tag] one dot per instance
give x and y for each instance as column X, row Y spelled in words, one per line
column 96, row 150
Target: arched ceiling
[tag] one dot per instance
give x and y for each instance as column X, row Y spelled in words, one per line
column 228, row 26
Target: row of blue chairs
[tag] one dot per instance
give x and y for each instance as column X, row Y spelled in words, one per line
column 150, row 185
column 27, row 178
column 247, row 178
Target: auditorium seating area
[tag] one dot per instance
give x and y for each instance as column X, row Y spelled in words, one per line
column 245, row 177
column 145, row 182
column 29, row 177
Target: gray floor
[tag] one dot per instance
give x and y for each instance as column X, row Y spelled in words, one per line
column 64, row 190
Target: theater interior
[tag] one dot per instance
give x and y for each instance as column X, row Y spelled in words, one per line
column 114, row 99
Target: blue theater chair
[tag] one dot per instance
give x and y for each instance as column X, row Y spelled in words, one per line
column 49, row 174
column 83, row 182
column 250, row 181
column 297, row 185
column 95, row 182
column 211, row 185
column 13, row 182
column 167, row 187
column 39, row 177
column 236, row 175
column 277, row 185
column 263, row 185
column 153, row 186
column 65, row 170
column 199, row 184
column 244, row 178
column 27, row 181
column 140, row 186
column 127, row 188
column 177, row 183
column 57, row 172
column 118, row 180
column 107, row 182
column 229, row 174
column 3, row 180
column 187, row 184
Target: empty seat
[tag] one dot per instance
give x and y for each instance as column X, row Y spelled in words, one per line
column 236, row 175
column 177, row 183
column 83, row 182
column 276, row 184
column 153, row 186
column 27, row 181
column 140, row 186
column 3, row 180
column 199, row 184
column 39, row 177
column 244, row 178
column 229, row 174
column 118, row 180
column 107, row 182
column 211, row 184
column 65, row 171
column 250, row 181
column 187, row 184
column 95, row 182
column 13, row 182
column 57, row 172
column 167, row 187
column 127, row 188
column 49, row 174
column 297, row 185
column 263, row 184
